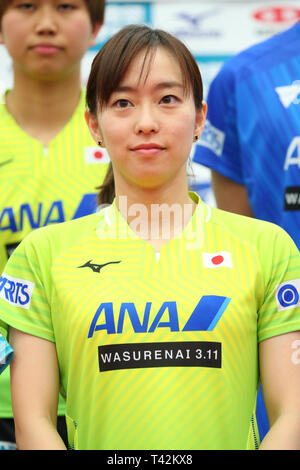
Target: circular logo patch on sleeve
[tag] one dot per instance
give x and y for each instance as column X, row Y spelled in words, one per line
column 287, row 295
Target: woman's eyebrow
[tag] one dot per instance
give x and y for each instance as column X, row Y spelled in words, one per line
column 158, row 86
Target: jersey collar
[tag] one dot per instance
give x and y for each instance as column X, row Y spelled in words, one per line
column 114, row 226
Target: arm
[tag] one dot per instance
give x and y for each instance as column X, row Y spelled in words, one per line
column 230, row 196
column 35, row 388
column 280, row 375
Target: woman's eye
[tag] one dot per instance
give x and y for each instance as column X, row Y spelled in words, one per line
column 66, row 6
column 122, row 103
column 169, row 99
column 25, row 6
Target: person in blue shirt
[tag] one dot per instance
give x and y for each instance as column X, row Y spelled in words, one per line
column 252, row 136
column 251, row 140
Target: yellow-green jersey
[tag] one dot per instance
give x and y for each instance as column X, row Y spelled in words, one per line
column 156, row 352
column 42, row 186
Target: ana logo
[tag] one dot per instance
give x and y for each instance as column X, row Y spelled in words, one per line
column 96, row 155
column 277, row 14
column 16, row 219
column 204, row 317
column 287, row 295
column 293, row 154
column 16, row 291
column 217, row 260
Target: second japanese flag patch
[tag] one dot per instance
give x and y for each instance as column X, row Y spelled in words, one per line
column 217, row 260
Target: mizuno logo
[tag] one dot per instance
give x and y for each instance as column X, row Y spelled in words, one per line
column 6, row 162
column 96, row 268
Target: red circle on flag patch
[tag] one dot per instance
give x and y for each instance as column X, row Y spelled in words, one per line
column 98, row 154
column 217, row 259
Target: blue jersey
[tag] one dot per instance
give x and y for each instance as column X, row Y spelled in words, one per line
column 252, row 134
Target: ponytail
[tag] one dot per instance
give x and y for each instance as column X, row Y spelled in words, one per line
column 106, row 193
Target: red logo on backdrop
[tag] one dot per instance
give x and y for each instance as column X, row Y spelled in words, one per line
column 277, row 14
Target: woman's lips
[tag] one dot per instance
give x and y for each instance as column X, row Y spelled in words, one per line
column 148, row 150
column 46, row 49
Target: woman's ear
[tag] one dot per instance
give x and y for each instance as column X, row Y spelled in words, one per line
column 200, row 120
column 93, row 126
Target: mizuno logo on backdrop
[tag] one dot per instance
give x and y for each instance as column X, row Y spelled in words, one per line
column 96, row 268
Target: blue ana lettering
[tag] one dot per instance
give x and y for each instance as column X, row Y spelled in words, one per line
column 7, row 220
column 134, row 318
column 204, row 317
column 16, row 220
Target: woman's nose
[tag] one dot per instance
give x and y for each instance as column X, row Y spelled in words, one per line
column 147, row 121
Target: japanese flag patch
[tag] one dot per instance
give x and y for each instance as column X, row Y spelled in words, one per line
column 222, row 259
column 96, row 155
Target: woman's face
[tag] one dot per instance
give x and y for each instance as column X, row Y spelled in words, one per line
column 149, row 123
column 47, row 38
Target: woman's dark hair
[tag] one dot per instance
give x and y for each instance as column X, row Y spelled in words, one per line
column 112, row 62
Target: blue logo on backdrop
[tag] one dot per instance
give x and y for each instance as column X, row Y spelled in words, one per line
column 193, row 25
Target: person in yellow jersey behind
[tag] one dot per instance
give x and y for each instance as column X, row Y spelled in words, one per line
column 6, row 352
column 48, row 162
column 157, row 316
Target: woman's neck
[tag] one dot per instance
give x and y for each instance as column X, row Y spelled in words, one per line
column 42, row 109
column 157, row 215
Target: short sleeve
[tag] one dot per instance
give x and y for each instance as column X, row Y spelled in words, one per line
column 280, row 310
column 24, row 296
column 218, row 147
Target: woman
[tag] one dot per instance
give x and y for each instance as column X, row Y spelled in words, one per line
column 149, row 313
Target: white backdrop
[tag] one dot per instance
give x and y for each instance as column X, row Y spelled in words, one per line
column 213, row 30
